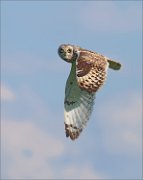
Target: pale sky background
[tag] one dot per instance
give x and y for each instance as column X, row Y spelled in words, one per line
column 33, row 142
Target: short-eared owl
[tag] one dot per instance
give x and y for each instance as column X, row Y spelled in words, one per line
column 88, row 73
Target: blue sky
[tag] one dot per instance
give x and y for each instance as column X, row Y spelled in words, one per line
column 32, row 90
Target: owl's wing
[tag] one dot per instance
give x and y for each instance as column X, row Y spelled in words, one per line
column 91, row 70
column 113, row 64
column 78, row 106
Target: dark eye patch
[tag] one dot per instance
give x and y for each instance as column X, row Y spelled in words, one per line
column 61, row 50
column 69, row 50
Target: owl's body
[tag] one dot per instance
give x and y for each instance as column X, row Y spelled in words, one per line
column 88, row 73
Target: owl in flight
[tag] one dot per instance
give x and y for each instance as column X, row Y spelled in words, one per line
column 87, row 75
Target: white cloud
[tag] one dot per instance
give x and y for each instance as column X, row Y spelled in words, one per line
column 30, row 150
column 82, row 172
column 121, row 120
column 6, row 93
column 102, row 16
column 29, row 153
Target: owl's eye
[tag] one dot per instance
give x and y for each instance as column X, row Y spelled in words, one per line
column 61, row 50
column 69, row 50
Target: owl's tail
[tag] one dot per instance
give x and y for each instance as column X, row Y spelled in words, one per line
column 114, row 65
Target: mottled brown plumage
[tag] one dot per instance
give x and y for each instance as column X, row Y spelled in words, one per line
column 88, row 74
column 91, row 70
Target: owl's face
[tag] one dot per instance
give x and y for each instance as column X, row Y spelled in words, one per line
column 67, row 52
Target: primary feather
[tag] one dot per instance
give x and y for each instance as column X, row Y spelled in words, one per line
column 78, row 106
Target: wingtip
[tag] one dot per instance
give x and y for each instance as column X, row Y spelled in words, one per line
column 73, row 134
column 114, row 65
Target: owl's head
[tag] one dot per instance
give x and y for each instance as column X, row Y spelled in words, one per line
column 68, row 52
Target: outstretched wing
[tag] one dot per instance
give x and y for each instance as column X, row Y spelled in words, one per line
column 78, row 106
column 91, row 70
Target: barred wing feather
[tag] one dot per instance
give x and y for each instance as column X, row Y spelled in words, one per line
column 78, row 106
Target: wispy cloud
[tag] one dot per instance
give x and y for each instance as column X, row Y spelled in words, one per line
column 30, row 153
column 82, row 172
column 121, row 122
column 6, row 93
column 102, row 16
column 30, row 150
